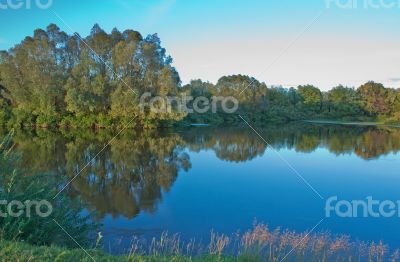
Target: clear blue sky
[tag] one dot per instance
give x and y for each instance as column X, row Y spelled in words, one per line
column 267, row 39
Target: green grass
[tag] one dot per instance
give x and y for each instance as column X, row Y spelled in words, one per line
column 14, row 251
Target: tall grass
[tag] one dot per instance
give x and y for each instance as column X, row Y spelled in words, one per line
column 262, row 244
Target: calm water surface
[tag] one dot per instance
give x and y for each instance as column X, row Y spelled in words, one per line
column 191, row 181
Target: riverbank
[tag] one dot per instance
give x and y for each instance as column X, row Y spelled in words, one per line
column 258, row 244
column 331, row 122
column 14, row 251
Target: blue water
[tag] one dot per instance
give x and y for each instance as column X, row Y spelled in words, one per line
column 195, row 180
column 226, row 197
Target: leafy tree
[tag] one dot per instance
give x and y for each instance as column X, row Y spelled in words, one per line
column 247, row 90
column 344, row 101
column 197, row 88
column 374, row 98
column 311, row 97
column 33, row 73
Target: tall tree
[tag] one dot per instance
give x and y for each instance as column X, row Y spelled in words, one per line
column 311, row 96
column 374, row 98
column 344, row 101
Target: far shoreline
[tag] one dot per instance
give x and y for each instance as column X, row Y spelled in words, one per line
column 333, row 122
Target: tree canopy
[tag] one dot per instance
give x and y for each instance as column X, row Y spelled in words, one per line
column 52, row 76
column 56, row 79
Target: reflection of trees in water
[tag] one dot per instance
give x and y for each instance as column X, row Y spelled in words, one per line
column 232, row 144
column 378, row 142
column 40, row 151
column 242, row 144
column 130, row 174
column 365, row 142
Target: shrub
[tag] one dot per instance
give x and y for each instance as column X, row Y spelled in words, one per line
column 47, row 120
column 66, row 213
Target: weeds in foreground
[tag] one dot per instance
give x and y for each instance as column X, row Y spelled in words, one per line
column 262, row 244
column 28, row 226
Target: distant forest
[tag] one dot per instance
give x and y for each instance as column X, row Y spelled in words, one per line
column 53, row 79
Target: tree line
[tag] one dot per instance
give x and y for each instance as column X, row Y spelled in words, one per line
column 260, row 103
column 56, row 79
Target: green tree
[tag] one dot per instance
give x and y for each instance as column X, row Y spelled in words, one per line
column 344, row 101
column 33, row 73
column 311, row 97
column 374, row 98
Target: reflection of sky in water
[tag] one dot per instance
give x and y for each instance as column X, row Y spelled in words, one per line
column 227, row 196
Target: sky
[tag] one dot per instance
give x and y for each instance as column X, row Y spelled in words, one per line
column 280, row 42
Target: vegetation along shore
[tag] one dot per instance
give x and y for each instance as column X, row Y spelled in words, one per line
column 53, row 79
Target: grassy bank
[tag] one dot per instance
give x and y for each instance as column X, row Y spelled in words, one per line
column 259, row 244
column 13, row 251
